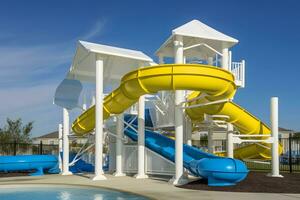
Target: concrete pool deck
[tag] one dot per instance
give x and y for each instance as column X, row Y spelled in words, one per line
column 153, row 188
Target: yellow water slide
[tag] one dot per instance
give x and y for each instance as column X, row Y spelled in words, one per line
column 214, row 83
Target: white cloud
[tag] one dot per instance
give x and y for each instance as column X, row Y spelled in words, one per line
column 27, row 83
column 27, row 63
column 16, row 99
column 95, row 31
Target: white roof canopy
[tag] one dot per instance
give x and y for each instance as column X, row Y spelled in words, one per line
column 196, row 32
column 117, row 62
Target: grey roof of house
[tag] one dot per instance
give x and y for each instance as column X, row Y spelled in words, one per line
column 48, row 135
column 284, row 129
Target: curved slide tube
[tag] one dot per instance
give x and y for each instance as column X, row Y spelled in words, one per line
column 245, row 122
column 215, row 83
column 219, row 171
column 28, row 162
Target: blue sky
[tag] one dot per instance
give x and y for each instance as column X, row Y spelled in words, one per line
column 38, row 40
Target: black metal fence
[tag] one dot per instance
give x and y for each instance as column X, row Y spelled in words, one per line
column 15, row 148
column 289, row 159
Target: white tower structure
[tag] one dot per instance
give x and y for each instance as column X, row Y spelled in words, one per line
column 195, row 42
column 105, row 65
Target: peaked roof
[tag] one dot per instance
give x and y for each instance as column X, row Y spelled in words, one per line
column 195, row 32
column 114, row 51
column 197, row 29
column 117, row 62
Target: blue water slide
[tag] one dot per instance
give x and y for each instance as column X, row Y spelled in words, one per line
column 219, row 171
column 83, row 166
column 39, row 163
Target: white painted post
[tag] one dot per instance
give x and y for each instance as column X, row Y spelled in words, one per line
column 188, row 131
column 161, row 59
column 179, row 178
column 187, row 121
column 243, row 72
column 99, row 174
column 161, row 62
column 274, row 129
column 93, row 102
column 84, row 106
column 210, row 141
column 210, row 61
column 229, row 60
column 141, row 139
column 230, row 140
column 66, row 133
column 225, row 59
column 60, row 146
column 119, row 146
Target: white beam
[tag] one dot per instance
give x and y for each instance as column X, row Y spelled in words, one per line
column 99, row 174
column 225, row 59
column 188, row 131
column 210, row 61
column 119, row 146
column 179, row 178
column 66, row 132
column 161, row 59
column 230, row 140
column 210, row 141
column 60, row 146
column 84, row 106
column 274, row 129
column 141, row 139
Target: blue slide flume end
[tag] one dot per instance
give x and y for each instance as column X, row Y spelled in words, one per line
column 219, row 171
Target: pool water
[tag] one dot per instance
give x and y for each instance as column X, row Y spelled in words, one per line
column 49, row 192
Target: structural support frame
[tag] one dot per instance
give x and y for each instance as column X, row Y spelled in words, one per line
column 274, row 130
column 179, row 178
column 66, row 132
column 60, row 146
column 119, row 146
column 99, row 174
column 141, row 139
column 230, row 145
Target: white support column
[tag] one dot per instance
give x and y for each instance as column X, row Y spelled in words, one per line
column 119, row 146
column 243, row 72
column 230, row 141
column 141, row 139
column 60, row 146
column 99, row 174
column 84, row 106
column 161, row 59
column 66, row 133
column 93, row 101
column 187, row 121
column 188, row 131
column 184, row 60
column 210, row 61
column 210, row 141
column 161, row 62
column 274, row 129
column 225, row 59
column 179, row 178
column 229, row 60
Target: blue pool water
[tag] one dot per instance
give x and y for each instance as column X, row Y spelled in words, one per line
column 49, row 192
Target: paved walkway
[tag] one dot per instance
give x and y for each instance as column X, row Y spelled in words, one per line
column 156, row 189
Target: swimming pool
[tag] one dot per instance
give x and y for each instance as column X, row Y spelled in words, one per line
column 64, row 192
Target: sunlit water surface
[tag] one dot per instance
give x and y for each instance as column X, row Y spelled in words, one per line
column 62, row 193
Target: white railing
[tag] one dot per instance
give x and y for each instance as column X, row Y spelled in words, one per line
column 238, row 70
column 155, row 163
